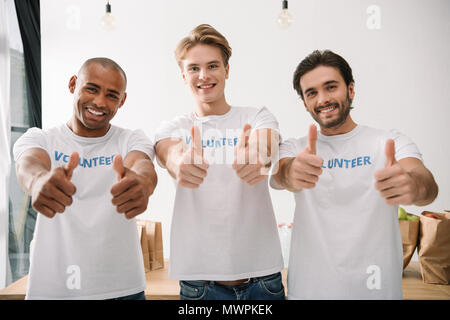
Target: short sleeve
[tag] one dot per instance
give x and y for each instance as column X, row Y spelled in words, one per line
column 140, row 142
column 173, row 129
column 264, row 119
column 32, row 138
column 404, row 146
column 289, row 148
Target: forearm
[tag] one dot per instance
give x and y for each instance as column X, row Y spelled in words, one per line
column 169, row 154
column 282, row 176
column 146, row 169
column 29, row 168
column 427, row 189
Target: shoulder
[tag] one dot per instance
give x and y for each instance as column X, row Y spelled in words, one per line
column 291, row 147
column 177, row 127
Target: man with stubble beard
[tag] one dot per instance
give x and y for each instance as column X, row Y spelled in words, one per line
column 347, row 181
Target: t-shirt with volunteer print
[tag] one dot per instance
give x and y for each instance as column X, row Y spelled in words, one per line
column 89, row 251
column 346, row 242
column 225, row 229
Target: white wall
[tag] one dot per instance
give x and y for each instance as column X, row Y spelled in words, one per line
column 401, row 70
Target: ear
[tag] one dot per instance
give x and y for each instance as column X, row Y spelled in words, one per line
column 227, row 71
column 72, row 84
column 123, row 99
column 351, row 90
column 183, row 76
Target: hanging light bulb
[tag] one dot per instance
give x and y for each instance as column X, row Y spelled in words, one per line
column 285, row 17
column 108, row 20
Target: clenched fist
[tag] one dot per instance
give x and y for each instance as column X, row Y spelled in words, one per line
column 248, row 162
column 395, row 184
column 192, row 167
column 305, row 168
column 131, row 192
column 52, row 191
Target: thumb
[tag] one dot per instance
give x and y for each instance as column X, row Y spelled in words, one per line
column 72, row 164
column 196, row 139
column 390, row 153
column 312, row 137
column 245, row 134
column 118, row 166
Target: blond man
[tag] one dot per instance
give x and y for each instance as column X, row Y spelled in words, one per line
column 224, row 241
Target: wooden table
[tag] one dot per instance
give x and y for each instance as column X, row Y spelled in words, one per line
column 160, row 287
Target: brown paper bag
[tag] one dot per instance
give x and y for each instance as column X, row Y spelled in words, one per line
column 434, row 247
column 153, row 231
column 410, row 237
column 144, row 245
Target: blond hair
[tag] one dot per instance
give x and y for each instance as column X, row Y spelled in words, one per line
column 203, row 34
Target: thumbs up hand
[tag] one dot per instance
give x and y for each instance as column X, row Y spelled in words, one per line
column 248, row 162
column 191, row 168
column 52, row 190
column 305, row 168
column 395, row 184
column 131, row 192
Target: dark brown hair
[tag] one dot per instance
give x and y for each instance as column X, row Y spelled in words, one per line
column 322, row 58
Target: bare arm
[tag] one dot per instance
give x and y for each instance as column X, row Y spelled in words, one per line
column 185, row 164
column 51, row 190
column 33, row 163
column 406, row 181
column 169, row 152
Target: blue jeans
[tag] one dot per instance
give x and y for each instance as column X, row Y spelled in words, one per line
column 260, row 288
column 136, row 296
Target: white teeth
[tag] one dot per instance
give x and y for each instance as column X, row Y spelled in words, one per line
column 206, row 87
column 327, row 110
column 95, row 113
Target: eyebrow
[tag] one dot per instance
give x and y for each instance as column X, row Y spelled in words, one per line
column 196, row 64
column 98, row 87
column 324, row 84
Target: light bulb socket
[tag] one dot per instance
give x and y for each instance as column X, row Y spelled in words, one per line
column 285, row 4
column 108, row 8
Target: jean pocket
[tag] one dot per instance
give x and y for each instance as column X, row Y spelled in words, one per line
column 193, row 290
column 272, row 284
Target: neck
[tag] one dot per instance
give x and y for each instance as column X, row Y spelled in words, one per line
column 345, row 127
column 216, row 108
column 80, row 130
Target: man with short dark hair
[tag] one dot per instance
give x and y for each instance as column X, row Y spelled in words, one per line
column 88, row 179
column 347, row 180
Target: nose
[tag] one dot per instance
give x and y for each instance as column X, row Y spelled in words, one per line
column 203, row 74
column 99, row 101
column 322, row 98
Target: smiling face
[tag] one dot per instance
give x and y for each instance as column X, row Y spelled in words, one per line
column 328, row 99
column 98, row 93
column 205, row 73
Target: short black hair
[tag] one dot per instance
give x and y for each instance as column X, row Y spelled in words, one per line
column 106, row 63
column 322, row 58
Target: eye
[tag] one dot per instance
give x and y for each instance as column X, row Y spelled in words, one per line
column 213, row 66
column 310, row 93
column 332, row 87
column 193, row 69
column 114, row 97
column 91, row 89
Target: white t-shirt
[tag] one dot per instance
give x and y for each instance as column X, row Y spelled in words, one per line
column 346, row 242
column 90, row 251
column 225, row 229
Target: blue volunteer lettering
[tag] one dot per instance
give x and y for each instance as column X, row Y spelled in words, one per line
column 347, row 163
column 215, row 143
column 86, row 163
